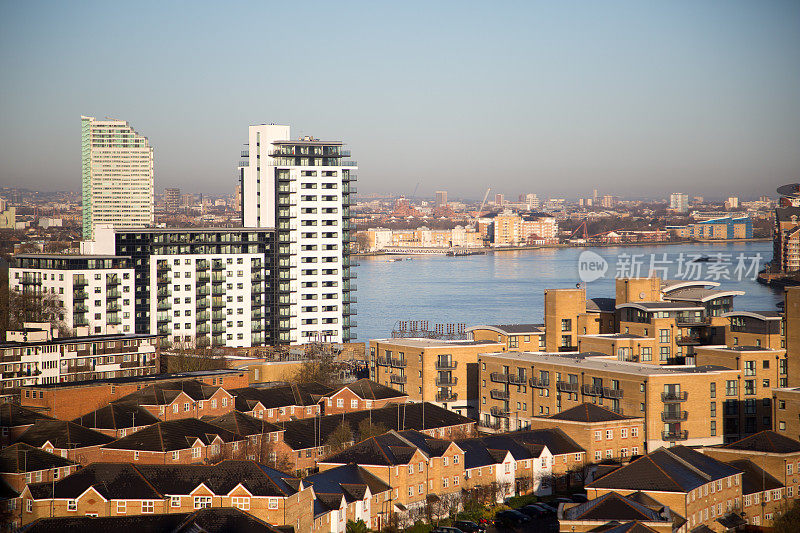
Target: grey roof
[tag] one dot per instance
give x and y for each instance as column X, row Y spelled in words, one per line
column 697, row 294
column 767, row 441
column 21, row 457
column 785, row 214
column 116, row 416
column 279, row 396
column 558, row 442
column 390, row 449
column 348, row 481
column 676, row 469
column 213, row 520
column 172, row 435
column 512, row 329
column 613, row 506
column 371, row 390
column 588, row 412
column 601, row 304
column 754, row 478
column 62, row 434
column 242, row 424
column 164, row 393
column 13, row 415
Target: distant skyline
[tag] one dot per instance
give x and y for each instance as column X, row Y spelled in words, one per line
column 557, row 98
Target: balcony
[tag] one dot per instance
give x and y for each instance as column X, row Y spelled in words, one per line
column 202, row 265
column 80, row 295
column 113, row 293
column 382, row 361
column 203, row 303
column 218, row 290
column 164, row 292
column 446, row 397
column 446, row 365
column 674, row 416
column 164, row 305
column 674, row 435
column 217, row 266
column 671, row 397
column 162, row 266
column 687, row 322
column 566, row 386
column 203, row 290
column 450, row 381
column 499, row 394
column 217, row 317
column 164, row 279
column 499, row 377
column 113, row 308
column 80, row 308
column 80, row 283
column 397, row 378
column 499, row 411
column 202, row 279
column 539, row 383
column 397, row 363
column 609, row 392
column 113, row 282
column 688, row 340
column 591, row 390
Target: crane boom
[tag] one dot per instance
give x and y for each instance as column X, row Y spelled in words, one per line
column 485, row 196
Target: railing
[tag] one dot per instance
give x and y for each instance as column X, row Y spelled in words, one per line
column 674, row 435
column 113, row 293
column 498, row 394
column 692, row 321
column 498, row 411
column 566, row 386
column 452, row 381
column 446, row 365
column 591, row 390
column 679, row 416
column 609, row 392
column 80, row 282
column 539, row 383
column 381, row 361
column 674, row 396
column 688, row 340
column 516, row 379
column 164, row 305
column 499, row 377
column 203, row 303
column 446, row 397
column 397, row 363
column 80, row 295
column 397, row 378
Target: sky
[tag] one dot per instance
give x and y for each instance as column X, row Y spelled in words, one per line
column 634, row 98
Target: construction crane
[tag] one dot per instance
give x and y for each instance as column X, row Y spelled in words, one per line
column 414, row 194
column 485, row 196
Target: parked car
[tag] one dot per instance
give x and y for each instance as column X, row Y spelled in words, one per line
column 510, row 518
column 468, row 527
column 552, row 509
column 533, row 511
column 447, row 529
column 579, row 498
column 562, row 500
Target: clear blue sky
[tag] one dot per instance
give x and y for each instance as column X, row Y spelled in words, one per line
column 559, row 97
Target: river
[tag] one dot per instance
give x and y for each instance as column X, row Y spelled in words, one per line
column 508, row 287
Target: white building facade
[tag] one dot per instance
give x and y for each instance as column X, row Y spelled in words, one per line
column 117, row 173
column 303, row 188
column 96, row 291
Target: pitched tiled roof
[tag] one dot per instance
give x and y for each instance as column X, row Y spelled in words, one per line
column 242, row 424
column 215, row 520
column 116, row 416
column 766, row 441
column 754, row 479
column 677, row 469
column 558, row 442
column 492, row 449
column 613, row 506
column 627, row 527
column 371, row 390
column 389, row 449
column 165, row 392
column 62, row 434
column 601, row 304
column 279, row 396
column 588, row 412
column 148, row 482
column 312, row 432
column 221, row 478
column 13, row 415
column 349, row 481
column 172, row 435
column 21, row 457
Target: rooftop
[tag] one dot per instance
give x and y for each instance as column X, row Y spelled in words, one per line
column 140, row 379
column 589, row 412
column 661, row 306
column 700, row 295
column 173, row 435
column 21, row 457
column 513, row 329
column 765, row 442
column 371, row 390
column 601, row 362
column 76, row 340
column 62, row 435
column 415, row 342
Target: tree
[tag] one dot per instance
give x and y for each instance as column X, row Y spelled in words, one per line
column 367, row 429
column 340, row 438
column 320, row 369
column 787, row 521
column 34, row 307
column 185, row 361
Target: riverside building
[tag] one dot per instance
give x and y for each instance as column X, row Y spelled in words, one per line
column 304, row 189
column 117, row 172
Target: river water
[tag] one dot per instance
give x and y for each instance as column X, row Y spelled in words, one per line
column 508, row 287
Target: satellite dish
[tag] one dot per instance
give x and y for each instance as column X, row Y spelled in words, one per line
column 641, row 295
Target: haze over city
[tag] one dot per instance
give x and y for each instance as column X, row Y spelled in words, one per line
column 553, row 97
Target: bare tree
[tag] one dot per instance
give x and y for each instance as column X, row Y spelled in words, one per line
column 36, row 307
column 320, row 369
column 367, row 429
column 340, row 438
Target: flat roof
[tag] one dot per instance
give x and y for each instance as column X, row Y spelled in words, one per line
column 72, row 256
column 614, row 336
column 134, row 379
column 738, row 349
column 417, row 342
column 209, row 229
column 697, row 294
column 592, row 361
column 512, row 329
column 78, row 340
column 760, row 315
column 661, row 306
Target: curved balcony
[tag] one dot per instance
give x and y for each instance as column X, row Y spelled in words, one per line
column 671, row 397
column 397, row 378
column 446, row 365
column 591, row 390
column 674, row 435
column 609, row 392
column 446, row 397
column 498, row 394
column 566, row 386
column 451, row 381
column 539, row 383
column 499, row 411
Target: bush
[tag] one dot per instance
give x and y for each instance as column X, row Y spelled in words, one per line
column 515, row 502
column 419, row 527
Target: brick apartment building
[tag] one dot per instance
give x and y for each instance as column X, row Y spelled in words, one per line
column 360, row 395
column 117, row 419
column 67, row 439
column 21, row 464
column 15, row 420
column 282, row 402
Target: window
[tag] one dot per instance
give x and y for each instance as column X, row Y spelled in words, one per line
column 623, row 433
column 566, row 324
column 609, row 434
column 175, row 501
column 241, row 502
column 634, row 432
column 121, row 507
column 195, row 453
column 354, row 404
column 598, row 435
column 273, row 503
column 664, row 335
column 29, row 506
column 339, row 402
column 175, row 455
column 202, row 502
column 598, row 455
column 72, row 505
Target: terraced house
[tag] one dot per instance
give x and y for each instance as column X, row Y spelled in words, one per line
column 119, row 489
